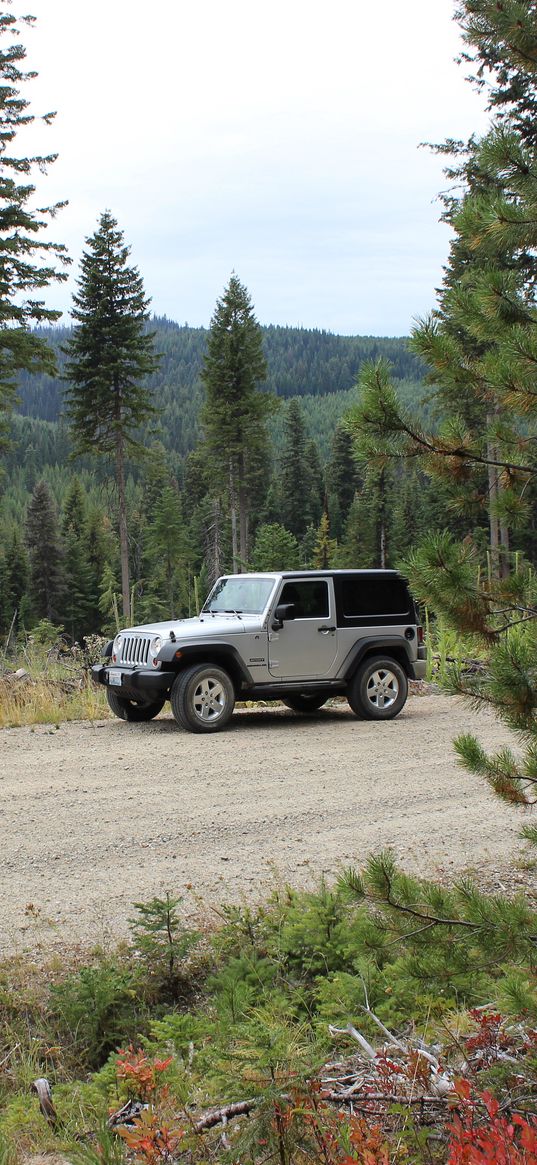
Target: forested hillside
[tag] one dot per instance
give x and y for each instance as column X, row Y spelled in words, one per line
column 300, row 362
column 307, row 468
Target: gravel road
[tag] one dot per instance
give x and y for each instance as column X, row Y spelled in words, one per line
column 99, row 815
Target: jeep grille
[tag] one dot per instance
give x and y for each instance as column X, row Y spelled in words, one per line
column 135, row 649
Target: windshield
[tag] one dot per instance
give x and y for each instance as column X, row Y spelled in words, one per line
column 244, row 595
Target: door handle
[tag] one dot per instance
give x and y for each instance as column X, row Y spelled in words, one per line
column 325, row 630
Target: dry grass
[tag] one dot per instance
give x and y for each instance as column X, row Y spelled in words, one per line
column 44, row 701
column 54, row 684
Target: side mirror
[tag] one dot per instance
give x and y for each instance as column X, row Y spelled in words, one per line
column 283, row 612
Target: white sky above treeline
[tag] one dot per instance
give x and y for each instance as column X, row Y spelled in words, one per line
column 278, row 140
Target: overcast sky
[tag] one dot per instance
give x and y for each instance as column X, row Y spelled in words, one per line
column 280, row 140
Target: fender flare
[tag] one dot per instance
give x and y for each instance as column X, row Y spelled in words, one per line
column 209, row 651
column 376, row 646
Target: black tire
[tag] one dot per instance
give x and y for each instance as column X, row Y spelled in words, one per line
column 378, row 690
column 304, row 702
column 128, row 710
column 203, row 698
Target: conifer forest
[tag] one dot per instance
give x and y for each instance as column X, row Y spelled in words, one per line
column 141, row 458
column 307, row 470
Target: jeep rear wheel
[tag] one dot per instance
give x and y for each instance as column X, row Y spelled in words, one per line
column 202, row 698
column 378, row 690
column 129, row 710
column 304, row 702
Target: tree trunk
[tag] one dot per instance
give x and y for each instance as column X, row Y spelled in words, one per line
column 499, row 530
column 243, row 518
column 494, row 525
column 382, row 522
column 123, row 536
column 505, row 566
column 214, row 548
column 233, row 515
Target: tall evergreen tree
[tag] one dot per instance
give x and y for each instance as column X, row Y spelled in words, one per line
column 501, row 46
column 109, row 357
column 235, row 412
column 13, row 582
column 343, row 478
column 46, row 555
column 170, row 551
column 27, row 260
column 82, row 595
column 501, row 40
column 299, row 486
column 497, row 308
column 377, row 494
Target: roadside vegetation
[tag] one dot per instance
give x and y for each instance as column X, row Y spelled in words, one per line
column 380, row 1019
column 44, row 680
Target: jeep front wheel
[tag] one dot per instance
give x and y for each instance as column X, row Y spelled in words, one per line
column 202, row 698
column 378, row 690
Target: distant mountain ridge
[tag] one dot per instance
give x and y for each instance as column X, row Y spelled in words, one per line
column 301, row 362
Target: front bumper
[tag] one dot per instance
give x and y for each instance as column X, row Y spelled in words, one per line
column 134, row 683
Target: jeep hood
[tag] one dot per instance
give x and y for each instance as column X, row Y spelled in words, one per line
column 200, row 626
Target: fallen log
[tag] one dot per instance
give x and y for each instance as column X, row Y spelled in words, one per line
column 44, row 1095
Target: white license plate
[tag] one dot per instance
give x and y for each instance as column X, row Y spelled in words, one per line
column 114, row 678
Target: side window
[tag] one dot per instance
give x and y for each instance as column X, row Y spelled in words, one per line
column 310, row 598
column 373, row 596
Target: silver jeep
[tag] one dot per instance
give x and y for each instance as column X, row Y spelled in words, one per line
column 295, row 636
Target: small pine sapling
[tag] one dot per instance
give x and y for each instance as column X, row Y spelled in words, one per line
column 163, row 941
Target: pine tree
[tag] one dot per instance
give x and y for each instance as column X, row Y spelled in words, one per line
column 46, row 556
column 299, row 486
column 27, row 260
column 275, row 548
column 378, row 490
column 484, row 285
column 109, row 356
column 13, row 583
column 81, row 601
column 495, row 305
column 319, row 501
column 235, row 412
column 343, row 478
column 293, row 472
column 353, row 550
column 168, row 544
column 325, row 546
column 501, row 44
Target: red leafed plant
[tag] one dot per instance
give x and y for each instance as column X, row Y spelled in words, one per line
column 481, row 1135
column 490, row 1037
column 335, row 1139
column 133, row 1065
column 369, row 1145
column 150, row 1140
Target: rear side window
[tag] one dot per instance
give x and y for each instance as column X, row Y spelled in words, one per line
column 310, row 598
column 373, row 597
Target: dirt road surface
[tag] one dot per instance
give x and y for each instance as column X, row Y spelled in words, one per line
column 96, row 816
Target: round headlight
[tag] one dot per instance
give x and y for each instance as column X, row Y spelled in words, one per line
column 117, row 648
column 155, row 645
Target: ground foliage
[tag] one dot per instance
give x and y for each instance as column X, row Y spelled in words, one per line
column 381, row 1015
